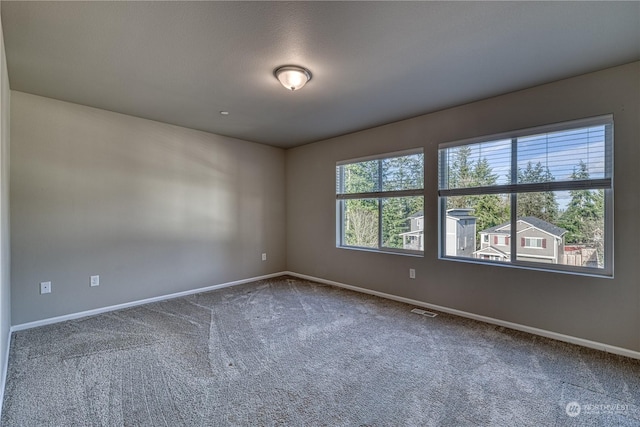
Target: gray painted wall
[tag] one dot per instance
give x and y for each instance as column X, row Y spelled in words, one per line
column 598, row 309
column 5, row 294
column 152, row 208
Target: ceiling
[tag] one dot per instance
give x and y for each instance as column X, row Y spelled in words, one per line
column 372, row 62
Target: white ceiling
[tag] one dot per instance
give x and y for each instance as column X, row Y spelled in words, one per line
column 372, row 62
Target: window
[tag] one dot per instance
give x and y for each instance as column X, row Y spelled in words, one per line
column 537, row 196
column 501, row 240
column 533, row 242
column 380, row 202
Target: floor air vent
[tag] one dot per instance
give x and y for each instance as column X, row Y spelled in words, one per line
column 423, row 312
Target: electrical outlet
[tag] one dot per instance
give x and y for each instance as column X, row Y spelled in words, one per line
column 412, row 273
column 264, row 257
column 45, row 288
column 95, row 281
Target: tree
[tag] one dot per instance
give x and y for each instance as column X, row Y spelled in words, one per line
column 461, row 176
column 542, row 205
column 400, row 173
column 361, row 225
column 584, row 217
column 489, row 209
column 361, row 215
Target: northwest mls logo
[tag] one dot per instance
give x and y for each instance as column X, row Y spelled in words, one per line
column 573, row 409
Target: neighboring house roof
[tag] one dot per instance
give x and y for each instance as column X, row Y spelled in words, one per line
column 490, row 250
column 496, row 229
column 531, row 220
column 453, row 213
column 460, row 213
column 414, row 232
column 459, row 217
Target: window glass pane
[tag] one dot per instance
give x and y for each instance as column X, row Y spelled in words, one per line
column 403, row 223
column 583, row 216
column 361, row 177
column 475, row 165
column 574, row 235
column 544, row 205
column 360, row 222
column 560, row 156
column 563, row 227
column 478, row 227
column 380, row 219
column 403, row 173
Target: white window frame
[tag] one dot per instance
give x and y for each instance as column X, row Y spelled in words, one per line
column 379, row 195
column 514, row 188
column 528, row 240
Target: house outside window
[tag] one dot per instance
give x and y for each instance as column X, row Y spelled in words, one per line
column 380, row 203
column 553, row 185
column 497, row 245
column 460, row 232
column 534, row 242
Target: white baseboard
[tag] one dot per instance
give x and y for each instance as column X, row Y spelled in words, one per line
column 535, row 331
column 5, row 370
column 100, row 310
column 518, row 327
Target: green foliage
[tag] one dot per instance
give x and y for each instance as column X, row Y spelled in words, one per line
column 400, row 173
column 489, row 209
column 395, row 218
column 403, row 173
column 359, row 177
column 542, row 205
column 361, row 215
column 361, row 223
column 584, row 217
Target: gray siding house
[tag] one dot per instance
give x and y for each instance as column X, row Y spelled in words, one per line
column 536, row 241
column 414, row 238
column 460, row 232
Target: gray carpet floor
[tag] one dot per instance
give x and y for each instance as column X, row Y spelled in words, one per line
column 286, row 351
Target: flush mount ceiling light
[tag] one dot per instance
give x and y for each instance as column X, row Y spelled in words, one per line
column 292, row 77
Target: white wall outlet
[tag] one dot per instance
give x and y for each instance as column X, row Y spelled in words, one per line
column 45, row 288
column 412, row 273
column 95, row 281
column 264, row 257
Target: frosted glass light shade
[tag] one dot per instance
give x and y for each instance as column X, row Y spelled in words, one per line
column 292, row 77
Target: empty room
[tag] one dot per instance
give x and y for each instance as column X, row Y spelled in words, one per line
column 302, row 213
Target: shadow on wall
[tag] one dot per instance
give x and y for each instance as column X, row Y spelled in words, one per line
column 155, row 206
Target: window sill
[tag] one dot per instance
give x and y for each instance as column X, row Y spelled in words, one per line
column 415, row 254
column 531, row 266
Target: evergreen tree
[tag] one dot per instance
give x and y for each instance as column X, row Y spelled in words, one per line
column 489, row 209
column 400, row 173
column 542, row 205
column 361, row 215
column 461, row 176
column 585, row 212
